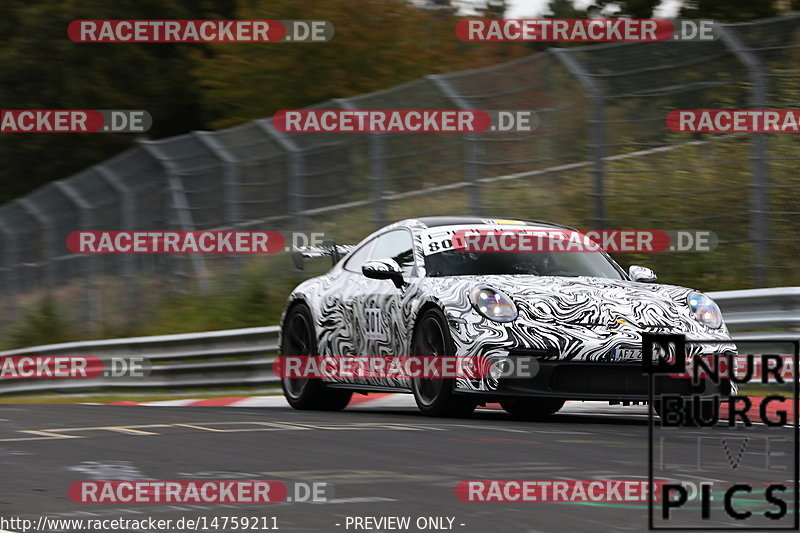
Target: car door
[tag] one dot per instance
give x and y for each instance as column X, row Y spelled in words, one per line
column 348, row 296
column 385, row 326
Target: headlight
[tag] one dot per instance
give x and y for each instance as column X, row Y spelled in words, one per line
column 704, row 310
column 493, row 304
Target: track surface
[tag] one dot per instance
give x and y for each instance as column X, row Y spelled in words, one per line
column 387, row 461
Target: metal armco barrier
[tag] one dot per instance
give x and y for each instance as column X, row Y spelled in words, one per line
column 760, row 309
column 244, row 357
column 596, row 160
column 228, row 358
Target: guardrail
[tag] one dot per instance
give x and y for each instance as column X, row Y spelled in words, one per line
column 244, row 357
column 775, row 308
column 234, row 357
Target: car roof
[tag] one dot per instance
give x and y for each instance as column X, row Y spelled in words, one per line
column 435, row 221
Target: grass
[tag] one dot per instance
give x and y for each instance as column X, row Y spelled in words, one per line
column 255, row 293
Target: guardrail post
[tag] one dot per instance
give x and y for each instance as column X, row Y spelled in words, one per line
column 473, row 148
column 596, row 122
column 180, row 205
column 759, row 184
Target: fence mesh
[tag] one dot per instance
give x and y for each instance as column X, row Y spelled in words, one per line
column 601, row 156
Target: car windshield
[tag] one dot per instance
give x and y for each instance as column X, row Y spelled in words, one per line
column 441, row 259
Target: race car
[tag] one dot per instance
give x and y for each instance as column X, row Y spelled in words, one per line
column 409, row 290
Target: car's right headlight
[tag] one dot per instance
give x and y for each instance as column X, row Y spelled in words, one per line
column 704, row 309
column 493, row 304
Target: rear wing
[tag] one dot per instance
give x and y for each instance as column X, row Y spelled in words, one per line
column 328, row 249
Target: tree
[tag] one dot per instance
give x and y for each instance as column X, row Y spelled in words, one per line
column 728, row 10
column 378, row 44
column 43, row 69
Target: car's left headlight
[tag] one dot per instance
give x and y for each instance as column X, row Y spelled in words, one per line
column 704, row 309
column 493, row 304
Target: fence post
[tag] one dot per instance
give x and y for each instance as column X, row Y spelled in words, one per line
column 596, row 122
column 297, row 182
column 181, row 206
column 92, row 300
column 10, row 269
column 128, row 217
column 377, row 158
column 48, row 242
column 231, row 185
column 759, row 185
column 376, row 153
column 472, row 145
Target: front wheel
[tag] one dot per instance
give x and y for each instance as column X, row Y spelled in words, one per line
column 531, row 408
column 435, row 395
column 299, row 338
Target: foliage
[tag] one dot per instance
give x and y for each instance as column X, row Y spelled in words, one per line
column 185, row 87
column 43, row 69
column 44, row 323
column 378, row 44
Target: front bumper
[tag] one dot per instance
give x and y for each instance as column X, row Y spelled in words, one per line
column 601, row 378
column 579, row 380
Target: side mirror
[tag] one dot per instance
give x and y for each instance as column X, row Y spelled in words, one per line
column 642, row 274
column 384, row 269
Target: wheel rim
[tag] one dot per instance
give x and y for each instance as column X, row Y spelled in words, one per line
column 298, row 342
column 430, row 343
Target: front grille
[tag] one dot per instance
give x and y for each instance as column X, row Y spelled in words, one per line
column 611, row 379
column 544, row 353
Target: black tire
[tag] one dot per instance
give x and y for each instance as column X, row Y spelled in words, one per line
column 299, row 338
column 531, row 408
column 707, row 409
column 436, row 396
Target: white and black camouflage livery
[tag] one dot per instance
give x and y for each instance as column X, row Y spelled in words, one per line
column 583, row 332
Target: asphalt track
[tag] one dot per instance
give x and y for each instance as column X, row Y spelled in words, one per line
column 379, row 461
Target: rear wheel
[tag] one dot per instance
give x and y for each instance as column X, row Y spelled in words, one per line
column 531, row 408
column 435, row 396
column 299, row 338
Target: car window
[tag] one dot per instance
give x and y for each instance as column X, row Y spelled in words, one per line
column 396, row 245
column 567, row 264
column 444, row 260
column 359, row 257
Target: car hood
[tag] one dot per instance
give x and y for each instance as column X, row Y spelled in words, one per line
column 594, row 302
